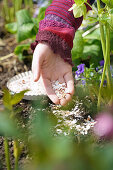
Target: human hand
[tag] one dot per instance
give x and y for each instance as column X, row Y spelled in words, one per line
column 52, row 67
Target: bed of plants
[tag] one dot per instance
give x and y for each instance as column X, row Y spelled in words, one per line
column 37, row 134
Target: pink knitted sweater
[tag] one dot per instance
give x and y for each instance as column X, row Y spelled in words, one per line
column 58, row 28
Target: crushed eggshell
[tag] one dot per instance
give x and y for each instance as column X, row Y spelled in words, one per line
column 60, row 89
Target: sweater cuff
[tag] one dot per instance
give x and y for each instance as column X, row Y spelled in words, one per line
column 58, row 45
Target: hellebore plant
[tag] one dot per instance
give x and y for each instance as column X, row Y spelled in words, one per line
column 105, row 18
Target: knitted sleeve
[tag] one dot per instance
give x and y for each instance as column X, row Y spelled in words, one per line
column 58, row 28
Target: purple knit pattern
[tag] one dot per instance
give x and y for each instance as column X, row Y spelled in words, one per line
column 56, row 18
column 51, row 23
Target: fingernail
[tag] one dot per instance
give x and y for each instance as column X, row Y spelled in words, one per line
column 34, row 77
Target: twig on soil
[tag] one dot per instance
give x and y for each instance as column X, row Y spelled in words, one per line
column 6, row 56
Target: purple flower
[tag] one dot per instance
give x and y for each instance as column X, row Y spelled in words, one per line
column 104, row 126
column 80, row 70
column 101, row 63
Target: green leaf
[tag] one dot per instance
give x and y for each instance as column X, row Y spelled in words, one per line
column 7, row 99
column 78, row 45
column 79, row 2
column 17, row 97
column 26, row 26
column 90, row 50
column 12, row 27
column 79, row 11
column 10, row 100
column 20, row 48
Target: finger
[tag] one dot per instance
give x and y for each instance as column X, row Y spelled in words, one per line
column 63, row 101
column 61, row 80
column 50, row 92
column 70, row 83
column 36, row 65
column 68, row 97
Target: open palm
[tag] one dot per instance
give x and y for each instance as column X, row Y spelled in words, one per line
column 52, row 67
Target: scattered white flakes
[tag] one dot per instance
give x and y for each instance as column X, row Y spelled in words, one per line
column 60, row 89
column 68, row 120
column 59, row 131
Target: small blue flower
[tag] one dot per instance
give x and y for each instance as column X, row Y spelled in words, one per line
column 97, row 69
column 101, row 63
column 83, row 82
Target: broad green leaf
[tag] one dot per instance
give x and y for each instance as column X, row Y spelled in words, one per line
column 7, row 99
column 17, row 97
column 26, row 26
column 12, row 27
column 20, row 48
column 90, row 51
column 79, row 11
column 78, row 45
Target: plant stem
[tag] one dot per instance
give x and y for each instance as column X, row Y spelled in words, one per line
column 98, row 5
column 16, row 153
column 109, row 78
column 7, row 157
column 106, row 53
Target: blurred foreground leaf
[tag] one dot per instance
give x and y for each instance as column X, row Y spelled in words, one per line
column 8, row 127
